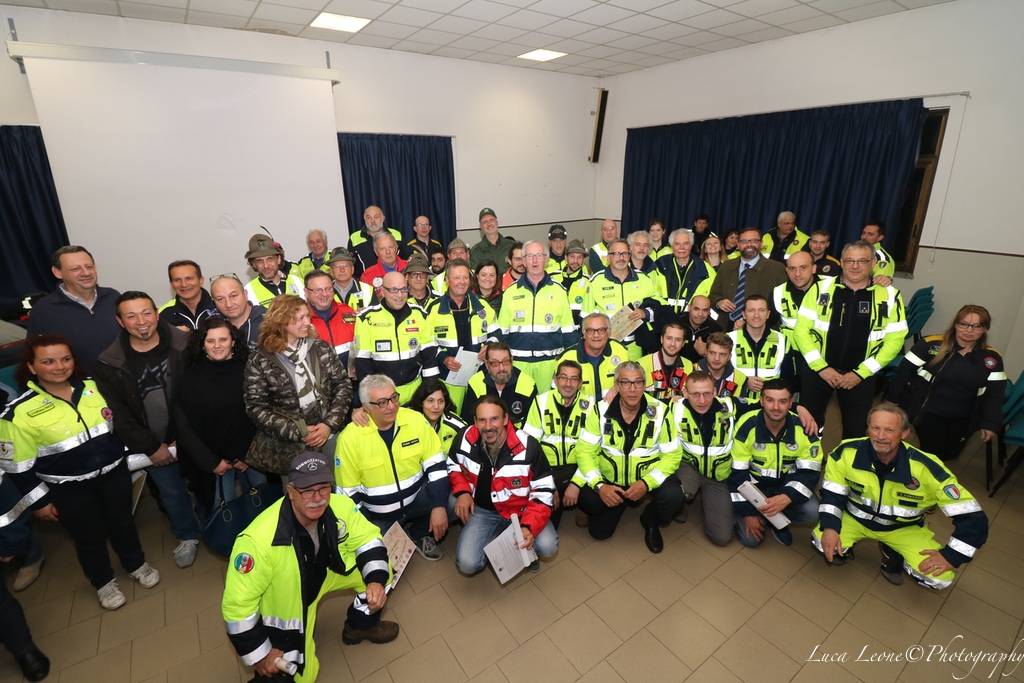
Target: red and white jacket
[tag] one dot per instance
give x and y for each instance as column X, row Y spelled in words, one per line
column 521, row 481
column 338, row 331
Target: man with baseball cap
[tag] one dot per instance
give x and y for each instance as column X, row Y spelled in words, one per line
column 556, row 249
column 347, row 289
column 284, row 563
column 457, row 249
column 417, row 277
column 265, row 256
column 493, row 246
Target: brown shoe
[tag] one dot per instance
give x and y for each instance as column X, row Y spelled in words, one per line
column 582, row 519
column 384, row 632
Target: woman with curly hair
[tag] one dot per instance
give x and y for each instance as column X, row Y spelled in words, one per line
column 296, row 391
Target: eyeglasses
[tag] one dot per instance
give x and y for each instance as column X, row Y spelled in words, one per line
column 595, row 330
column 320, row 290
column 970, row 326
column 396, row 290
column 315, row 492
column 626, row 383
column 857, row 261
column 385, row 402
column 231, row 276
column 568, row 378
column 618, row 253
column 533, row 256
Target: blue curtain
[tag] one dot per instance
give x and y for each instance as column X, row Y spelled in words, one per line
column 405, row 175
column 835, row 167
column 31, row 223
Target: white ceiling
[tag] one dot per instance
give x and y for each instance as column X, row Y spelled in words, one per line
column 601, row 37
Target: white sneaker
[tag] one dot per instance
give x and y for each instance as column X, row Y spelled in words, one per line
column 146, row 575
column 111, row 596
column 185, row 553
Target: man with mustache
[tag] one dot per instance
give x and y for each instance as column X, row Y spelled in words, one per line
column 293, row 554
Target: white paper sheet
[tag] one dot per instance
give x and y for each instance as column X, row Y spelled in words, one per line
column 400, row 550
column 754, row 496
column 470, row 364
column 505, row 555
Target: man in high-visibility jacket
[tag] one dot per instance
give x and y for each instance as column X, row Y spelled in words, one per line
column 771, row 450
column 885, row 264
column 729, row 382
column 535, row 318
column 574, row 269
column 786, row 301
column 785, row 239
column 627, row 449
column 361, row 242
column 316, row 259
column 847, row 330
column 666, row 369
column 881, row 488
column 681, row 275
column 619, row 286
column 347, row 289
column 393, row 468
column 278, row 574
column 265, row 256
column 597, row 257
column 757, row 351
column 502, row 379
column 555, row 420
column 598, row 357
column 392, row 338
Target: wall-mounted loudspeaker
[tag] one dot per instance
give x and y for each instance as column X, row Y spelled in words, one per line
column 602, row 106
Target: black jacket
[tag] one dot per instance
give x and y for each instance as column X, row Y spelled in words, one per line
column 119, row 387
column 89, row 333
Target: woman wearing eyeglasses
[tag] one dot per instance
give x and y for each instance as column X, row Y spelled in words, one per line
column 297, row 393
column 952, row 385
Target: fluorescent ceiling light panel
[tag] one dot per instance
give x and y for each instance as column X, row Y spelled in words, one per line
column 339, row 22
column 542, row 55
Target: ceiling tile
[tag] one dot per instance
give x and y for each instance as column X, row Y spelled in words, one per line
column 518, row 3
column 680, row 9
column 622, row 68
column 140, row 11
column 738, row 27
column 90, row 6
column 632, row 42
column 770, row 33
column 659, row 49
column 628, row 57
column 276, row 26
column 837, row 5
column 499, row 32
column 472, row 43
column 442, row 6
column 638, row 5
column 562, row 8
column 488, row 57
column 572, row 60
column 638, row 23
column 601, row 35
column 484, row 10
column 163, row 3
column 218, row 20
column 599, row 64
column 788, row 16
column 367, row 9
column 527, row 19
column 367, row 40
column 914, row 4
column 413, row 46
column 685, row 53
column 534, row 39
column 599, row 51
column 718, row 17
column 753, row 8
column 602, row 15
column 651, row 60
column 567, row 28
column 824, row 21
column 454, row 52
column 409, row 16
column 457, row 24
column 723, row 44
column 429, row 35
column 570, row 45
column 508, row 49
column 304, row 4
column 388, row 29
column 870, row 11
column 291, row 15
column 316, row 34
column 239, row 8
column 697, row 39
column 669, row 31
column 26, row 3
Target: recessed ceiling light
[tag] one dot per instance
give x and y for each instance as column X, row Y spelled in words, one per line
column 542, row 55
column 339, row 22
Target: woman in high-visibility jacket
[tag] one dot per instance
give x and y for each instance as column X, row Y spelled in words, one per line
column 434, row 403
column 59, row 434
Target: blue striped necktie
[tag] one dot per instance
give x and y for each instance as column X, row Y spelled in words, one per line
column 741, row 293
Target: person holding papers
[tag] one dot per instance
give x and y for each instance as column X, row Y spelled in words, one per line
column 496, row 471
column 771, row 450
column 460, row 320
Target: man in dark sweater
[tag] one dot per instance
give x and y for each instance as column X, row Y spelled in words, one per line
column 79, row 310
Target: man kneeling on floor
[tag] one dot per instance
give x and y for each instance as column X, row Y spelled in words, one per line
column 497, row 471
column 771, row 450
column 294, row 553
column 880, row 488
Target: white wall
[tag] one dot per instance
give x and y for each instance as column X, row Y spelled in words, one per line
column 968, row 45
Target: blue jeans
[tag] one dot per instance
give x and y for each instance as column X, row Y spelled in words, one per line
column 804, row 513
column 482, row 528
column 176, row 501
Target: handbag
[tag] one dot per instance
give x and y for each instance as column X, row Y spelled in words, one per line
column 231, row 517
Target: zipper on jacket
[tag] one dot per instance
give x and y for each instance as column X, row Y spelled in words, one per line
column 394, row 471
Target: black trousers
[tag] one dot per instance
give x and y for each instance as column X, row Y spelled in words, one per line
column 942, row 436
column 854, row 404
column 95, row 511
column 14, row 631
column 563, row 477
column 666, row 500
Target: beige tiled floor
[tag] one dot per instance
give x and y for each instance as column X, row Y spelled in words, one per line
column 607, row 611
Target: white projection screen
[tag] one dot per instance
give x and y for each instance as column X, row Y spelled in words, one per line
column 158, row 163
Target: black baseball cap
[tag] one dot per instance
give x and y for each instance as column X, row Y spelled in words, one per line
column 310, row 468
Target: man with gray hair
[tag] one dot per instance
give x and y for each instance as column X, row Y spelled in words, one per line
column 394, row 468
column 385, row 247
column 640, row 252
column 316, row 259
column 360, row 243
column 680, row 276
column 784, row 239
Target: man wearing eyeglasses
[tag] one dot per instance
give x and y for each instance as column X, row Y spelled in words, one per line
column 293, row 554
column 500, row 378
column 598, row 355
column 847, row 329
column 736, row 279
column 393, row 339
column 627, row 449
column 334, row 322
column 394, row 469
column 348, row 290
column 619, row 286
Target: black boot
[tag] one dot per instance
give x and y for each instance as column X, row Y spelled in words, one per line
column 892, row 565
column 34, row 665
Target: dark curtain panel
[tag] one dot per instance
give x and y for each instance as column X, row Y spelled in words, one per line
column 835, row 167
column 405, row 175
column 31, row 224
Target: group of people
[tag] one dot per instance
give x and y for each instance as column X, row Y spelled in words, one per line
column 643, row 371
